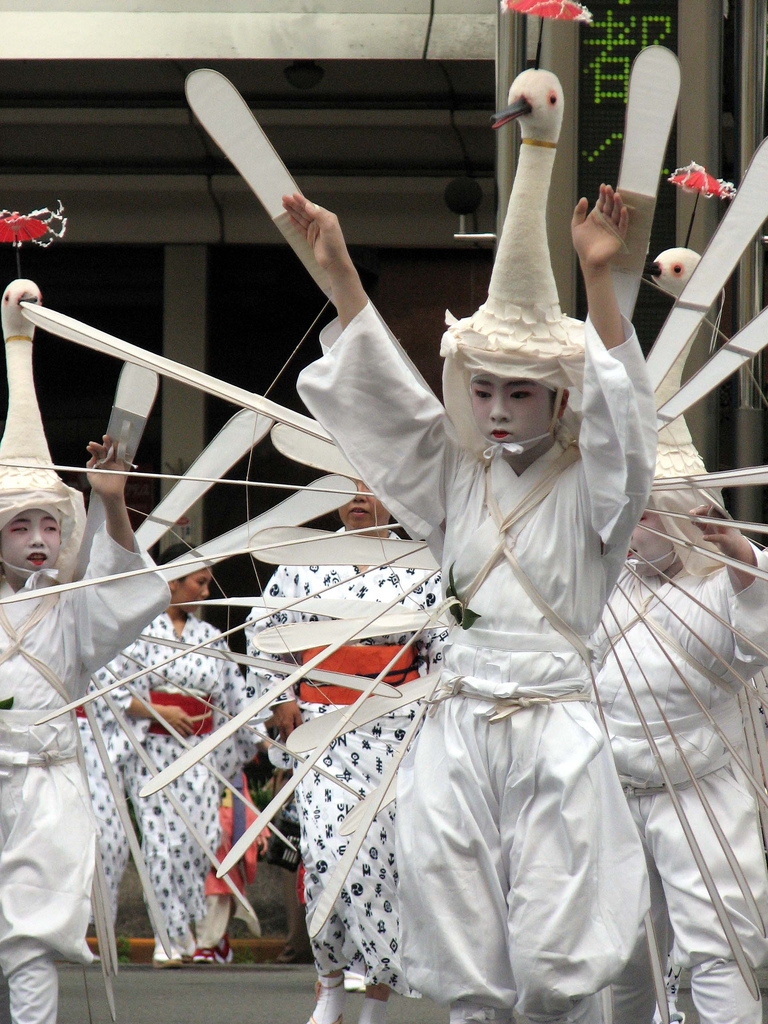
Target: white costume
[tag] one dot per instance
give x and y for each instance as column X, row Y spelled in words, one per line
column 363, row 930
column 49, row 646
column 676, row 884
column 175, row 861
column 44, row 795
column 492, row 882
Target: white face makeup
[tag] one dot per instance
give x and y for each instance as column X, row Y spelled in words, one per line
column 31, row 541
column 659, row 551
column 509, row 410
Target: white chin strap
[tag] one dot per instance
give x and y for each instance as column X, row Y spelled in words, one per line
column 514, row 447
column 639, row 564
column 518, row 447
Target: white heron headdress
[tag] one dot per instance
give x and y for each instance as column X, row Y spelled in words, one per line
column 519, row 331
column 678, row 456
column 27, row 477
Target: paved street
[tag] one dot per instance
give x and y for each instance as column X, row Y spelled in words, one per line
column 234, row 995
column 211, row 995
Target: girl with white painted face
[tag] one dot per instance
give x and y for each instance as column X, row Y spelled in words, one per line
column 49, row 646
column 28, row 544
column 517, row 416
column 522, row 881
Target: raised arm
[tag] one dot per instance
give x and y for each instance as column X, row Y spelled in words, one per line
column 732, row 542
column 322, row 230
column 111, row 489
column 597, row 238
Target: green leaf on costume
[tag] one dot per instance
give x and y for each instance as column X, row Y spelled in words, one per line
column 6, row 705
column 464, row 616
column 470, row 618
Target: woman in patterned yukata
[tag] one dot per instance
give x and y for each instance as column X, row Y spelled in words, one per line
column 362, row 933
column 175, row 861
column 113, row 844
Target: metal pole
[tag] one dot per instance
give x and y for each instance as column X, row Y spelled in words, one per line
column 510, row 61
column 748, row 288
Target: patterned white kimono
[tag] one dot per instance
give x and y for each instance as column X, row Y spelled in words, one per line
column 113, row 845
column 175, row 861
column 688, row 634
column 363, row 930
column 522, row 880
column 47, row 828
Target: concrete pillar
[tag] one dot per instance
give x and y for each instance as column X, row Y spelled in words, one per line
column 748, row 291
column 184, row 339
column 698, row 138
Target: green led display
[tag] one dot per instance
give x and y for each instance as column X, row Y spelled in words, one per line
column 607, row 48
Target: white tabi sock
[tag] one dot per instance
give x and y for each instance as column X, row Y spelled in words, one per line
column 330, row 995
column 374, row 1011
column 34, row 991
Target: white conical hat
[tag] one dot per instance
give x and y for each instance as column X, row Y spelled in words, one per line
column 676, row 456
column 27, row 477
column 519, row 331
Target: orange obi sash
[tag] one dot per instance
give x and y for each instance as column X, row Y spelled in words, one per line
column 357, row 660
column 195, row 708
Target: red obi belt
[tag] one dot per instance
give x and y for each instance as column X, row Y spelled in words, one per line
column 199, row 712
column 357, row 660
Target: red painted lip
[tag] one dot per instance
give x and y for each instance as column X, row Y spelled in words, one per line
column 36, row 559
column 500, row 433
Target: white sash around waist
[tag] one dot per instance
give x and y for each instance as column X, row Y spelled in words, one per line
column 22, row 743
column 494, row 640
column 685, row 723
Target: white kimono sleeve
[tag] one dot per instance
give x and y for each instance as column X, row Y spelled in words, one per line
column 748, row 613
column 393, row 432
column 111, row 615
column 618, row 435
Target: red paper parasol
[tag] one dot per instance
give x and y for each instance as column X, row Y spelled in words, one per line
column 40, row 227
column 16, row 228
column 562, row 10
column 32, row 227
column 694, row 178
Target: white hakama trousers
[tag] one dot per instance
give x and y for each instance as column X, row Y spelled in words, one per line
column 522, row 877
column 48, row 838
column 679, row 897
column 34, row 992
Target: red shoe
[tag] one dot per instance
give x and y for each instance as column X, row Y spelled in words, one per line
column 204, row 956
column 223, row 952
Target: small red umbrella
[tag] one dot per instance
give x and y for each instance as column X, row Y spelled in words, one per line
column 562, row 10
column 694, row 178
column 40, row 226
column 17, row 228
